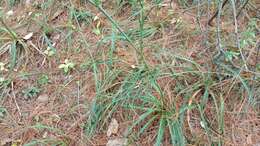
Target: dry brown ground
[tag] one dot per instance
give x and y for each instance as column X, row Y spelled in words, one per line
column 69, row 96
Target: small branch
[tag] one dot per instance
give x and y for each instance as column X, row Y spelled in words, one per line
column 216, row 13
column 14, row 98
column 236, row 32
column 218, row 27
column 243, row 6
column 257, row 60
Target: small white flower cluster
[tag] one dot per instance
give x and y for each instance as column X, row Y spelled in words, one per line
column 2, row 67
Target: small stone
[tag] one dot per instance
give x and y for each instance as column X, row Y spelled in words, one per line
column 28, row 2
column 133, row 66
column 117, row 142
column 28, row 36
column 10, row 13
column 112, row 128
column 5, row 141
column 43, row 98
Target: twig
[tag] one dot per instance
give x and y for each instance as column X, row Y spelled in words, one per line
column 236, row 32
column 243, row 6
column 257, row 54
column 206, row 34
column 216, row 13
column 235, row 22
column 189, row 111
column 253, row 85
column 37, row 49
column 78, row 93
column 218, row 26
column 256, row 61
column 14, row 98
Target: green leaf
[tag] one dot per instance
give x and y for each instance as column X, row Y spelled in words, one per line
column 66, row 69
column 62, row 66
column 97, row 2
column 70, row 65
column 43, row 79
column 97, row 31
column 258, row 67
column 3, row 111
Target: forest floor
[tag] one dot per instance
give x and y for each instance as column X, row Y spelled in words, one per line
column 129, row 72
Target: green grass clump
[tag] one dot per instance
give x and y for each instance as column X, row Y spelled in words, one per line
column 160, row 71
column 136, row 94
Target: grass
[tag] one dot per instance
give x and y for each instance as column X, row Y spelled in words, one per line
column 157, row 68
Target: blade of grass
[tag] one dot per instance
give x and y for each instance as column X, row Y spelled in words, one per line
column 13, row 34
column 161, row 130
column 97, row 5
column 140, row 119
column 176, row 133
column 148, row 123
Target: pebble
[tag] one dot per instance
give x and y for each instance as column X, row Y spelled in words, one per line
column 117, row 142
column 44, row 98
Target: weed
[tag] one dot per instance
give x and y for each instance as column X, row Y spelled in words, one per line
column 43, row 79
column 46, row 141
column 230, row 55
column 12, row 3
column 67, row 66
column 4, row 82
column 258, row 67
column 3, row 112
column 97, row 29
column 49, row 52
column 31, row 92
column 248, row 36
column 167, row 89
column 83, row 16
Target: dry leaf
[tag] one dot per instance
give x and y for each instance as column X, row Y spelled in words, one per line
column 249, row 140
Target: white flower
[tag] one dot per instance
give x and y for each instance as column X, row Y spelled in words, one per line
column 133, row 66
column 2, row 67
column 2, row 79
column 202, row 124
column 10, row 13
